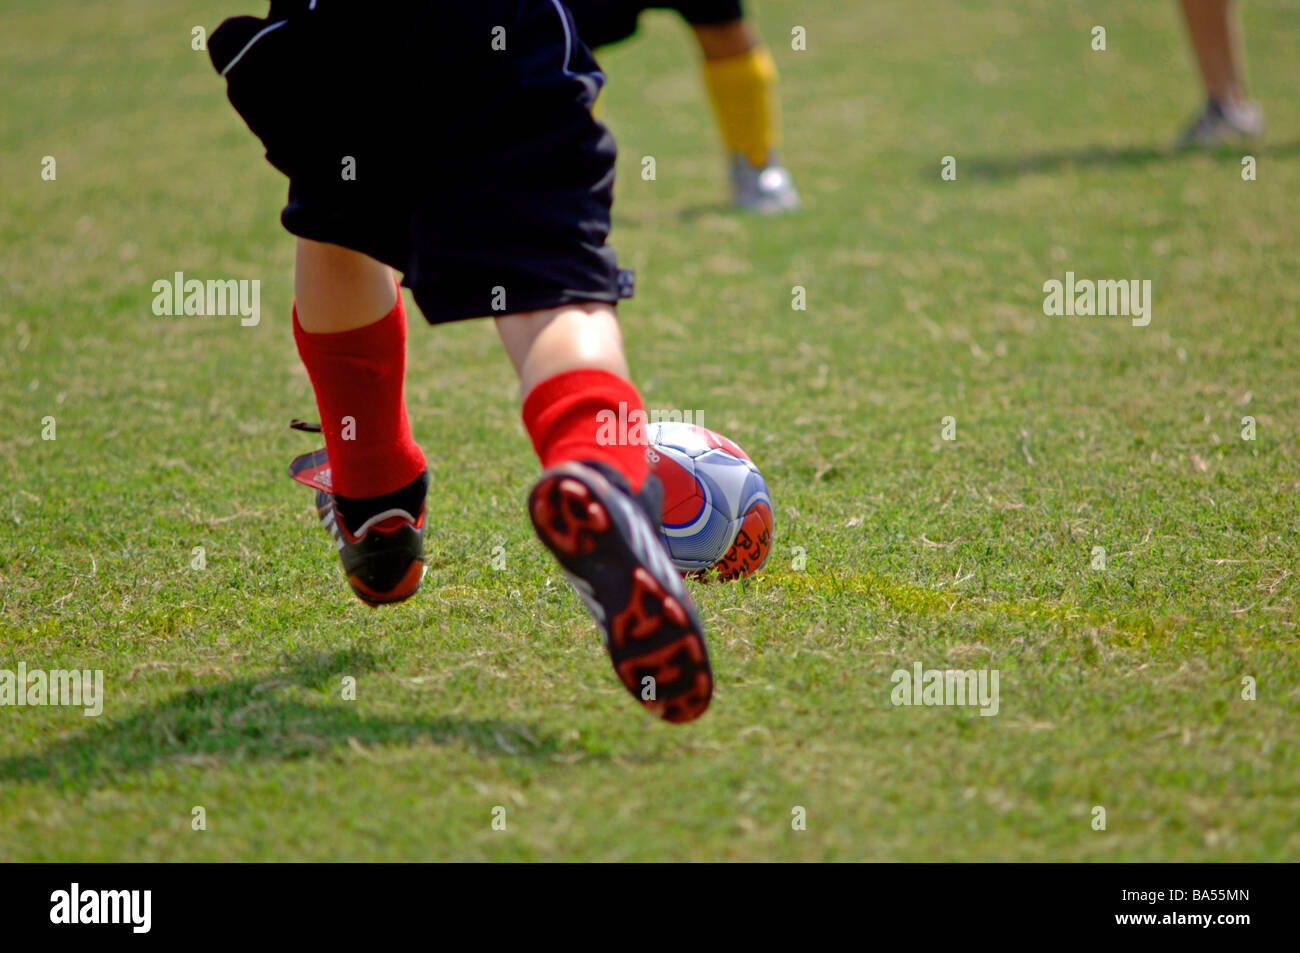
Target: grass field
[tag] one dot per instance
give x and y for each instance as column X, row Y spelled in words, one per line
column 1120, row 687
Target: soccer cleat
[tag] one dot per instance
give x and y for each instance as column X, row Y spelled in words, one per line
column 1220, row 124
column 768, row 189
column 606, row 540
column 383, row 559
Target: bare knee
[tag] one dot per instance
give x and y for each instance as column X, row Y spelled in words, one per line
column 544, row 343
column 338, row 289
column 719, row 41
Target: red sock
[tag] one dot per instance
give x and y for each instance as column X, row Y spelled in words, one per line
column 589, row 414
column 360, row 374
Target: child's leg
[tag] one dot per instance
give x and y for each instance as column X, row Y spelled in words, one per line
column 597, row 508
column 337, row 289
column 350, row 327
column 573, row 376
column 544, row 343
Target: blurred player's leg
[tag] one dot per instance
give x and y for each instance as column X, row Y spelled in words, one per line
column 350, row 328
column 741, row 79
column 597, row 507
column 1228, row 114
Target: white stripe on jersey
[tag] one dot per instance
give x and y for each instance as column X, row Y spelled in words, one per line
column 568, row 51
column 249, row 45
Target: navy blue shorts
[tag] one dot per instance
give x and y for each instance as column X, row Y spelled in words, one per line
column 601, row 22
column 452, row 141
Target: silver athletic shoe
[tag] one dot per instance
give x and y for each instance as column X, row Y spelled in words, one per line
column 767, row 190
column 1220, row 124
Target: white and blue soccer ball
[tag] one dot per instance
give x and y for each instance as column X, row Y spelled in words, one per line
column 717, row 511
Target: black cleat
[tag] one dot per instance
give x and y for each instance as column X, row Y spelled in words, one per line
column 384, row 557
column 606, row 540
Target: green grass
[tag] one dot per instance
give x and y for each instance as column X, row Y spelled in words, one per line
column 1120, row 688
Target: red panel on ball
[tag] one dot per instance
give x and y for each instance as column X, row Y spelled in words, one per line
column 753, row 543
column 682, row 497
column 716, row 439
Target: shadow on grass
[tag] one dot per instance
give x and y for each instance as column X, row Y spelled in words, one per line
column 692, row 213
column 1092, row 157
column 251, row 718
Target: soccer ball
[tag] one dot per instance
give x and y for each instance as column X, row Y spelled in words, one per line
column 717, row 511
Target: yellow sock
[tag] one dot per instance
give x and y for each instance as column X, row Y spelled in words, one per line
column 743, row 90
